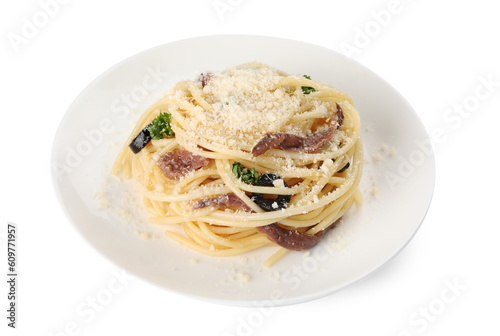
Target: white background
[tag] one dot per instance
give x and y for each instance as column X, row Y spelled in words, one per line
column 435, row 53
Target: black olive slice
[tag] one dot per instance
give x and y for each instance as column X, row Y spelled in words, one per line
column 344, row 168
column 282, row 201
column 141, row 140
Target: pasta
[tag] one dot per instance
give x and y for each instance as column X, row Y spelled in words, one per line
column 256, row 157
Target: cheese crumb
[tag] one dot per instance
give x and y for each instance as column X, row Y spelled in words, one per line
column 275, row 276
column 377, row 158
column 243, row 277
column 326, row 166
column 279, row 183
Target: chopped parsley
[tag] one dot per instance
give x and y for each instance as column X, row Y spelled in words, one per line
column 308, row 89
column 244, row 174
column 160, row 127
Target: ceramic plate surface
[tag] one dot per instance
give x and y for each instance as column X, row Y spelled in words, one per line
column 397, row 183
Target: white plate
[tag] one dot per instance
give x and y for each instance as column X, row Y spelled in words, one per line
column 110, row 216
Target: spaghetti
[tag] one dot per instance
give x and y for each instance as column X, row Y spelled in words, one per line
column 256, row 157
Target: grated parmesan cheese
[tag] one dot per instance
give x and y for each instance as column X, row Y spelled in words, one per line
column 244, row 104
column 243, row 277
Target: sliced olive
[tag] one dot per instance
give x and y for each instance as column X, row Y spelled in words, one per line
column 141, row 140
column 279, row 203
column 344, row 168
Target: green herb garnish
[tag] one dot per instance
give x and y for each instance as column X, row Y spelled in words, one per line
column 244, row 174
column 308, row 89
column 161, row 127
